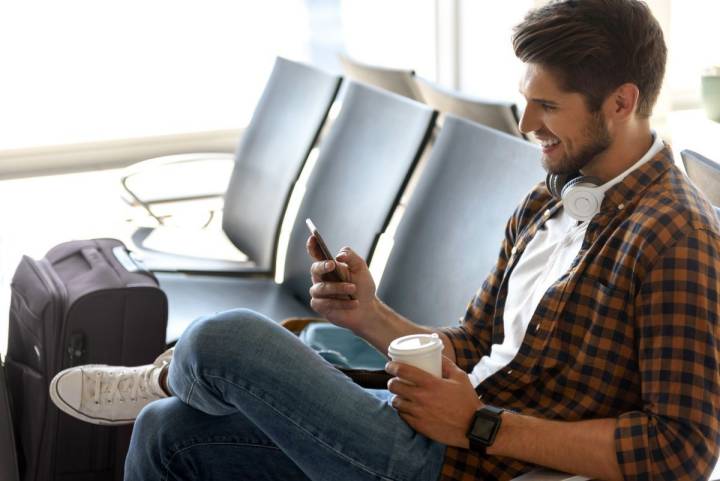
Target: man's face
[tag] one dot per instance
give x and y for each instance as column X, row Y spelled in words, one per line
column 571, row 136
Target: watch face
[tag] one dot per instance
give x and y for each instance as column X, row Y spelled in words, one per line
column 483, row 428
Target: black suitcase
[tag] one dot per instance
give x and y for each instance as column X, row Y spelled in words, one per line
column 84, row 302
column 8, row 458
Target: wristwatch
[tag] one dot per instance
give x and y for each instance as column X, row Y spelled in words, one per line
column 484, row 428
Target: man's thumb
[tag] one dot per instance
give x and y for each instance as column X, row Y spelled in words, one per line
column 351, row 258
column 449, row 368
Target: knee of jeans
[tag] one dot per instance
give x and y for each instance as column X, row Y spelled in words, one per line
column 152, row 430
column 232, row 334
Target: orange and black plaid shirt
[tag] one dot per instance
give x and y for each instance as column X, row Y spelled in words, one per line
column 629, row 332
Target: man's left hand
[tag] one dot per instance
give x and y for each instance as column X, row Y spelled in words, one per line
column 440, row 409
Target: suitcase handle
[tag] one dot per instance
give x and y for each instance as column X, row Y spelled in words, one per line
column 92, row 256
column 95, row 258
column 128, row 261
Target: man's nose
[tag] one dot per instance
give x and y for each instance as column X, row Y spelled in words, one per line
column 529, row 122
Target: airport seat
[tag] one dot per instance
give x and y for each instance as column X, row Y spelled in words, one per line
column 450, row 234
column 399, row 81
column 502, row 116
column 362, row 168
column 270, row 156
column 704, row 173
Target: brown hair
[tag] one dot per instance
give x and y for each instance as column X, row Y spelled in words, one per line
column 594, row 46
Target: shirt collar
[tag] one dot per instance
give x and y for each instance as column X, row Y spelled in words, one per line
column 639, row 176
column 656, row 147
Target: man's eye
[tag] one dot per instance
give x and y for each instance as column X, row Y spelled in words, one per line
column 548, row 108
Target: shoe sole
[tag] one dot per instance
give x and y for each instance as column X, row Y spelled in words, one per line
column 71, row 411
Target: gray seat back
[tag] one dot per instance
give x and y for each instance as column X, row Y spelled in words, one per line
column 399, row 81
column 273, row 150
column 362, row 168
column 704, row 173
column 449, row 237
column 502, row 116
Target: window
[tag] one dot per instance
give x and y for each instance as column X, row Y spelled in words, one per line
column 691, row 35
column 398, row 34
column 81, row 70
column 488, row 66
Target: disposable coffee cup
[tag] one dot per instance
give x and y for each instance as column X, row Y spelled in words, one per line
column 423, row 351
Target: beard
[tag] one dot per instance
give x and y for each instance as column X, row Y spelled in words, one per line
column 596, row 141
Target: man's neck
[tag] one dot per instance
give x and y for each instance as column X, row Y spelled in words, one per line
column 628, row 146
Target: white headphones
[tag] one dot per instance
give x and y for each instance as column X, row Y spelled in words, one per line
column 581, row 196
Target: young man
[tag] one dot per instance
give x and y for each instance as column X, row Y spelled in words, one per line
column 596, row 331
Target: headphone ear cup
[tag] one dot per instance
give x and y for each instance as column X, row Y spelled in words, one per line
column 582, row 198
column 556, row 182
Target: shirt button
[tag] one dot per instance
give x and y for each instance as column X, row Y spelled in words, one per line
column 546, row 214
column 621, row 206
column 537, row 328
column 509, row 372
column 513, row 250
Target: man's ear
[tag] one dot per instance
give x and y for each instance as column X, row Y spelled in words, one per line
column 623, row 101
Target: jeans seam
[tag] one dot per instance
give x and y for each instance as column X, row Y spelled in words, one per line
column 166, row 465
column 191, row 388
column 323, row 443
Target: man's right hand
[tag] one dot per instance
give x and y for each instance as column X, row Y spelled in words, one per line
column 328, row 297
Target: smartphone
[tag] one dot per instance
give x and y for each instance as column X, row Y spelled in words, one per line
column 333, row 276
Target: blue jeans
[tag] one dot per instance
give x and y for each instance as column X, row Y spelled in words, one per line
column 254, row 403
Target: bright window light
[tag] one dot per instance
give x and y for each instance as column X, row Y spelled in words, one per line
column 82, row 70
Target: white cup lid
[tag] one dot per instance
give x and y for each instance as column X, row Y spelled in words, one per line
column 415, row 344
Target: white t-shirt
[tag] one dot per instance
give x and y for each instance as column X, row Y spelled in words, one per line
column 546, row 258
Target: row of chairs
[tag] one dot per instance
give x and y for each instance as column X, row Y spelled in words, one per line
column 447, row 239
column 154, row 196
column 497, row 114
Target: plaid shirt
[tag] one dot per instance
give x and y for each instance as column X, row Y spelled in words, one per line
column 629, row 332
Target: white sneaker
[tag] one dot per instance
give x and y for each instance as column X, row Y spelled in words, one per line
column 109, row 395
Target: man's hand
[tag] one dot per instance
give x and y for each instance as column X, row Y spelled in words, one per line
column 329, row 298
column 441, row 409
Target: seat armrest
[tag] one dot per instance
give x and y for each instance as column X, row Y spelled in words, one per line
column 157, row 261
column 175, row 178
column 189, row 262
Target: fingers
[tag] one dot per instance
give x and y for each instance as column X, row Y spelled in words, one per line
column 404, row 406
column 332, row 289
column 313, row 249
column 324, row 306
column 352, row 259
column 317, row 269
column 401, row 388
column 409, row 373
column 346, row 254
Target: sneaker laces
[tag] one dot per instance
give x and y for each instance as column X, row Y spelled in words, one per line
column 124, row 385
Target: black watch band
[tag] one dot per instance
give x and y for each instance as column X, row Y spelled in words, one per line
column 484, row 428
